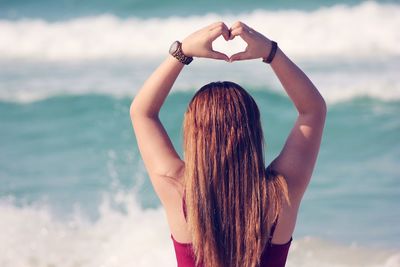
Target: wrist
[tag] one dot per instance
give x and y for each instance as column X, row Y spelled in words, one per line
column 279, row 55
column 272, row 52
column 185, row 49
column 176, row 50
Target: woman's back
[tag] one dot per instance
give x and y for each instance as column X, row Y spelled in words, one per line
column 232, row 201
column 274, row 255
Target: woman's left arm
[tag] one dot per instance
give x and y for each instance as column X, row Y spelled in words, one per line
column 157, row 151
column 160, row 158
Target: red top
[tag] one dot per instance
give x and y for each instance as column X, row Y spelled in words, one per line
column 274, row 255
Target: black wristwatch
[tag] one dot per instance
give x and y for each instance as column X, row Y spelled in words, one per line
column 176, row 51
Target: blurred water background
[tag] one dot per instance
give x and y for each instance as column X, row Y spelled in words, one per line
column 74, row 191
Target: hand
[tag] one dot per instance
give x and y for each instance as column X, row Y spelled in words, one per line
column 199, row 43
column 258, row 46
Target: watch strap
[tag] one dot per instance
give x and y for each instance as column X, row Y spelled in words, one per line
column 179, row 55
column 272, row 52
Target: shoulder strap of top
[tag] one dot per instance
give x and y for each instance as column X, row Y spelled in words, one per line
column 271, row 234
column 184, row 206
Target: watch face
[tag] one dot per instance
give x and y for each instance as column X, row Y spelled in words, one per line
column 174, row 47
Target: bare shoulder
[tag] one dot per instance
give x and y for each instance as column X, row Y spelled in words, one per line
column 286, row 224
column 170, row 192
column 169, row 187
column 287, row 217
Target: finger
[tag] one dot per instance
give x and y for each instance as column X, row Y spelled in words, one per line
column 219, row 55
column 226, row 33
column 242, row 32
column 215, row 24
column 241, row 29
column 219, row 30
column 239, row 24
column 238, row 56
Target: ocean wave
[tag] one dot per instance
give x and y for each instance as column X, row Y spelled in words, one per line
column 336, row 96
column 24, row 82
column 33, row 236
column 368, row 30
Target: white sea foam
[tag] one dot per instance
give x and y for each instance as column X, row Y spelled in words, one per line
column 348, row 52
column 368, row 30
column 338, row 81
column 33, row 236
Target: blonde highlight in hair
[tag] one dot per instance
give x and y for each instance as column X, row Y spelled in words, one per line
column 232, row 200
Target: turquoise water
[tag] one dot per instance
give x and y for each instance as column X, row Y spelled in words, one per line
column 67, row 9
column 72, row 149
column 74, row 191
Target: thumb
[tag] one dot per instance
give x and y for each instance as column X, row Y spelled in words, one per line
column 238, row 56
column 218, row 55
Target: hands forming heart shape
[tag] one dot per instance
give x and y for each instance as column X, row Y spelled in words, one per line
column 199, row 43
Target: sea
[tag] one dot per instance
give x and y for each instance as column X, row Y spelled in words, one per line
column 73, row 188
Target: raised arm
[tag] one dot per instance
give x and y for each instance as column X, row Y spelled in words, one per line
column 160, row 158
column 158, row 153
column 297, row 159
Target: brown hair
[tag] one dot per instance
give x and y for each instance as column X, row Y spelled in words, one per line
column 232, row 200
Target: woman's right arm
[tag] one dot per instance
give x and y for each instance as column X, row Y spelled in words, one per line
column 299, row 154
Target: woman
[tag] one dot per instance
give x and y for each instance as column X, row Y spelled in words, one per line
column 224, row 208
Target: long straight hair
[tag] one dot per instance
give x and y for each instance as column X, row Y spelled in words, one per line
column 232, row 200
